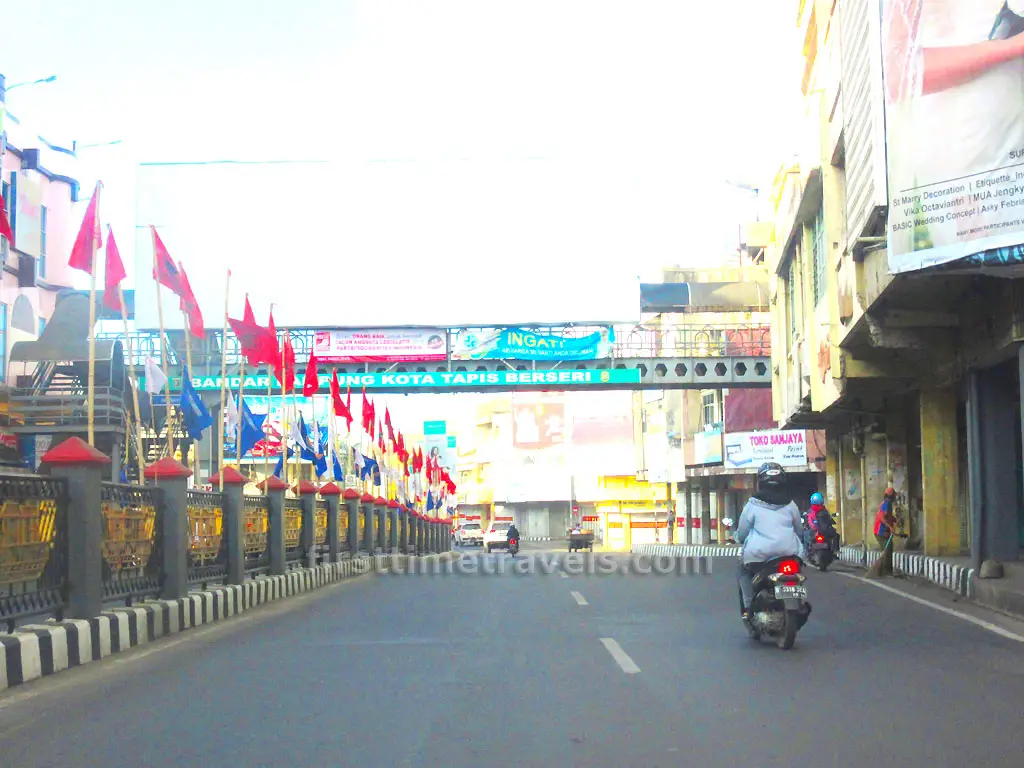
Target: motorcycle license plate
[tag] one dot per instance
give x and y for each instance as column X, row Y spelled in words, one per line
column 787, row 591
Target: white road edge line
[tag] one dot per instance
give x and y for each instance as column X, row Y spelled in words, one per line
column 563, row 574
column 995, row 628
column 580, row 600
column 621, row 657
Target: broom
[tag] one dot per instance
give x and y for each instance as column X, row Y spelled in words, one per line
column 875, row 571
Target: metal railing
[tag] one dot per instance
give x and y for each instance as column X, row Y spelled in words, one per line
column 293, row 550
column 631, row 341
column 33, row 548
column 208, row 557
column 132, row 546
column 64, row 408
column 256, row 535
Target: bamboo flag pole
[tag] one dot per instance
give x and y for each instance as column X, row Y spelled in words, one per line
column 270, row 394
column 238, row 427
column 163, row 352
column 91, row 395
column 134, row 382
column 224, row 375
column 194, row 451
column 284, row 416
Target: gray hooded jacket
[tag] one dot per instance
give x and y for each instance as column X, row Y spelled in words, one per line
column 767, row 531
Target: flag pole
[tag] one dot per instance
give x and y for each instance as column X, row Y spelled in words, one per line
column 223, row 375
column 284, row 417
column 163, row 351
column 238, row 427
column 194, row 449
column 91, row 398
column 270, row 394
column 134, row 383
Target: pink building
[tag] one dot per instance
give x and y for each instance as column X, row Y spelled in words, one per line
column 39, row 195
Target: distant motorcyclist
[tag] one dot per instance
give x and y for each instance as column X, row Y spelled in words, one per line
column 513, row 532
column 769, row 528
column 820, row 520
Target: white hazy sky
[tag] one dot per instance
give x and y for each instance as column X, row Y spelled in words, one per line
column 487, row 161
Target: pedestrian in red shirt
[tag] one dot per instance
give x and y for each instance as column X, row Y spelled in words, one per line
column 885, row 527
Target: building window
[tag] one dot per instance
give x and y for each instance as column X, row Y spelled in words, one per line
column 41, row 264
column 5, row 247
column 818, row 255
column 709, row 407
column 791, row 297
column 3, row 341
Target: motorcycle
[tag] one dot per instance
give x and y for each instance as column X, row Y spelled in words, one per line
column 819, row 553
column 513, row 547
column 779, row 608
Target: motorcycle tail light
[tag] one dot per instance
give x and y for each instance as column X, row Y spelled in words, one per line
column 788, row 567
column 819, row 538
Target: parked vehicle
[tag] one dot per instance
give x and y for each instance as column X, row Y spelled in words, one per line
column 779, row 608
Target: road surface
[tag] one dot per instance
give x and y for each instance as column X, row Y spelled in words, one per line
column 538, row 670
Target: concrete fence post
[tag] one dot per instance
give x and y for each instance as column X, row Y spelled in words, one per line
column 403, row 530
column 275, row 487
column 350, row 498
column 171, row 477
column 82, row 467
column 380, row 508
column 331, row 494
column 232, row 489
column 393, row 516
column 366, row 515
column 306, row 491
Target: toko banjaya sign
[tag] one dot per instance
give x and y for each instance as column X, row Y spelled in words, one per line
column 436, row 381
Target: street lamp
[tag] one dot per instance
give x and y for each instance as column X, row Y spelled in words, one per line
column 49, row 79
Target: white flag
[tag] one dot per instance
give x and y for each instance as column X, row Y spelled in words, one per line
column 232, row 416
column 155, row 378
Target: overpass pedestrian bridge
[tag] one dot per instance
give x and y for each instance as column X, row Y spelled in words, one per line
column 684, row 356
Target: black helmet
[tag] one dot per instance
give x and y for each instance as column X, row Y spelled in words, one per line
column 770, row 475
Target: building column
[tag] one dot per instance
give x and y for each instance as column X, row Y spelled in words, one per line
column 705, row 510
column 685, row 510
column 851, row 493
column 939, row 472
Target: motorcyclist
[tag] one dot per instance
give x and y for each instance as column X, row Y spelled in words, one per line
column 769, row 528
column 819, row 520
column 513, row 533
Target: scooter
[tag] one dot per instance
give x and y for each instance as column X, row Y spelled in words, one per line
column 819, row 553
column 779, row 608
column 513, row 547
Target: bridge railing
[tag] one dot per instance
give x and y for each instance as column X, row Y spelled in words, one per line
column 631, row 341
column 72, row 545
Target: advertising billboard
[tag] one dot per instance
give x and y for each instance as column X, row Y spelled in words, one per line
column 538, row 422
column 954, row 128
column 749, row 450
column 407, row 345
column 522, row 344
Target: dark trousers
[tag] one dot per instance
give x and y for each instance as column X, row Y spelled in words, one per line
column 745, row 578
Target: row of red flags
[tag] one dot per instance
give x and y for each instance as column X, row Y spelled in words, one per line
column 259, row 344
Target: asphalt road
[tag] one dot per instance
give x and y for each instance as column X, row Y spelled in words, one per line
column 538, row 670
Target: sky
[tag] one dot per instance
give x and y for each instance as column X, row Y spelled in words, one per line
column 479, row 161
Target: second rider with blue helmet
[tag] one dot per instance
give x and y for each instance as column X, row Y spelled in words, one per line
column 769, row 528
column 819, row 520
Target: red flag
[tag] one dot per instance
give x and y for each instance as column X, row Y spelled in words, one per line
column 257, row 344
column 5, row 224
column 190, row 306
column 89, row 238
column 311, row 382
column 387, row 423
column 286, row 377
column 113, row 274
column 340, row 408
column 164, row 270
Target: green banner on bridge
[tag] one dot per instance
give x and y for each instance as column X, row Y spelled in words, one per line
column 438, row 381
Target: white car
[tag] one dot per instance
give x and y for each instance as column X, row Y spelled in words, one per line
column 497, row 536
column 469, row 535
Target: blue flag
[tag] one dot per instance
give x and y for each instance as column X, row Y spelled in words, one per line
column 338, row 474
column 194, row 413
column 279, row 468
column 369, row 469
column 430, row 501
column 252, row 428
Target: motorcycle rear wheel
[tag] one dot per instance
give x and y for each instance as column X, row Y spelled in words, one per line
column 792, row 624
